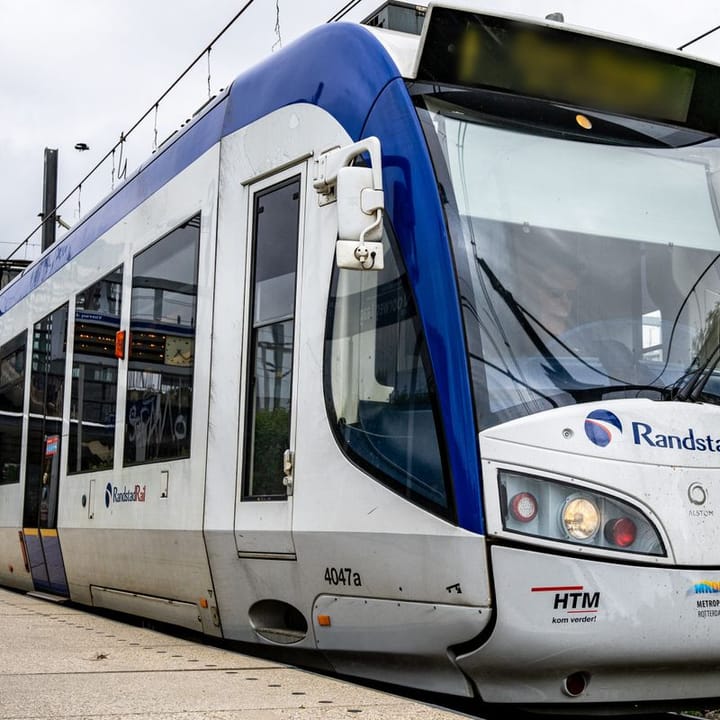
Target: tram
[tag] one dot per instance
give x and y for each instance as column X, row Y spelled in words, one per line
column 400, row 356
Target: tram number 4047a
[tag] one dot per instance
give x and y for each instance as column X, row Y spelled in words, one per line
column 342, row 576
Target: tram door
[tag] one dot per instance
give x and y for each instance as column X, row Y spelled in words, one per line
column 267, row 445
column 42, row 477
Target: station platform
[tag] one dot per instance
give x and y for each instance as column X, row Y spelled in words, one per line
column 58, row 661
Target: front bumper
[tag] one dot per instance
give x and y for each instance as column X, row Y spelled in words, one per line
column 640, row 634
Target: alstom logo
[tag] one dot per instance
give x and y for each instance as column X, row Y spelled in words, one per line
column 114, row 495
column 602, row 426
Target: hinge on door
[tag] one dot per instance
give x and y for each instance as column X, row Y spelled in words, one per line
column 288, row 458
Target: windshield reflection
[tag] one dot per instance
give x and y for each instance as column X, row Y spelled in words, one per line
column 587, row 271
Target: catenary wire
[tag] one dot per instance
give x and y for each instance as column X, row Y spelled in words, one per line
column 699, row 37
column 344, row 10
column 125, row 135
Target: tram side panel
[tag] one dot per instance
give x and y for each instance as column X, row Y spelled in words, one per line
column 14, row 562
column 396, row 581
column 131, row 535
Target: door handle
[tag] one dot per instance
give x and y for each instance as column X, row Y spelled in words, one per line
column 288, row 466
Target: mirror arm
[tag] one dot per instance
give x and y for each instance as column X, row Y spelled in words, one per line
column 329, row 164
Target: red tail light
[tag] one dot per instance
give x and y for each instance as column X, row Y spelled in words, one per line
column 524, row 507
column 621, row 532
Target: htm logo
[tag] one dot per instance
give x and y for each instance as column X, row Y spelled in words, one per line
column 572, row 598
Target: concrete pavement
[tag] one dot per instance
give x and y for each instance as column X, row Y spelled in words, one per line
column 61, row 662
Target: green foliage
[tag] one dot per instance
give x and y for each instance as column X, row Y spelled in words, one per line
column 705, row 343
column 272, row 438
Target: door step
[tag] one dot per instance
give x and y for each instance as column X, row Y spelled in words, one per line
column 58, row 599
column 281, row 635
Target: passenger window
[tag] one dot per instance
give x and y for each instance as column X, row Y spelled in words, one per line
column 276, row 217
column 379, row 388
column 162, row 348
column 94, row 375
column 12, row 397
column 47, row 383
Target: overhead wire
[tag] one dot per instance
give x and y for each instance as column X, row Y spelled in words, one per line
column 122, row 169
column 699, row 37
column 343, row 11
column 278, row 34
column 119, row 172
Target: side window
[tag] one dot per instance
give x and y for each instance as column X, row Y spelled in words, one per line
column 377, row 384
column 162, row 347
column 47, row 382
column 12, row 396
column 276, row 216
column 94, row 375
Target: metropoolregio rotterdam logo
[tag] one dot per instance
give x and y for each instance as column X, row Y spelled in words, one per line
column 113, row 494
column 602, row 427
column 707, row 607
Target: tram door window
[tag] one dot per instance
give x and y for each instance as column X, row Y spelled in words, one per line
column 47, row 381
column 276, row 217
column 12, row 396
column 162, row 347
column 94, row 375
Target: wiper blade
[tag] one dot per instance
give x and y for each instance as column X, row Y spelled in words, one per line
column 692, row 387
column 555, row 365
column 554, row 369
column 579, row 391
column 602, row 390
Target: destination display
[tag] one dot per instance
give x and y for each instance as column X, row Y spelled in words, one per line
column 471, row 49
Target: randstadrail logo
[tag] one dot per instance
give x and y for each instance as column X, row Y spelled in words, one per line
column 114, row 495
column 602, row 426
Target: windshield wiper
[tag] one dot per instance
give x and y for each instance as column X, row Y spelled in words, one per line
column 690, row 386
column 515, row 308
column 580, row 392
column 664, row 392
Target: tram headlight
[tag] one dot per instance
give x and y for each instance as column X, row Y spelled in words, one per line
column 551, row 509
column 580, row 517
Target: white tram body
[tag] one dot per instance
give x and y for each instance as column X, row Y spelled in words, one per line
column 421, row 472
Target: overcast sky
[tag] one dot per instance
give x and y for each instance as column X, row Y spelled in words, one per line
column 85, row 70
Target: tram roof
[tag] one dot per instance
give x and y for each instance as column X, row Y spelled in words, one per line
column 339, row 67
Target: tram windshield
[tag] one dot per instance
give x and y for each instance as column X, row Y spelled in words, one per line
column 588, row 253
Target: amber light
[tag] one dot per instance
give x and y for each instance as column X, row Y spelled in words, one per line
column 120, row 344
column 583, row 121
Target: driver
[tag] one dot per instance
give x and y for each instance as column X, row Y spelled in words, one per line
column 549, row 283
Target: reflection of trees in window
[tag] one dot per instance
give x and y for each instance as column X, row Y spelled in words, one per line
column 162, row 347
column 94, row 377
column 47, row 380
column 12, row 396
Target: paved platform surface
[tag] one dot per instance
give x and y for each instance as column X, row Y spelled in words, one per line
column 61, row 662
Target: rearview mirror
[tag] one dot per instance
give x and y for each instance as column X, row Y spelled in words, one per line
column 359, row 245
column 360, row 202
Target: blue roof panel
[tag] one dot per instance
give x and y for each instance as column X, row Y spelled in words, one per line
column 321, row 68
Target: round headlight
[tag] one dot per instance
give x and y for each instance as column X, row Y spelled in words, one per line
column 580, row 518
